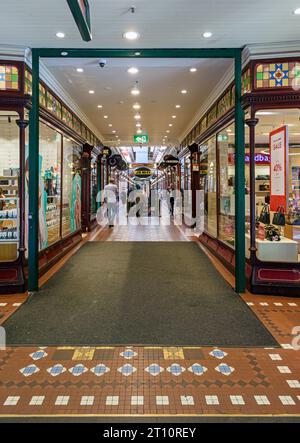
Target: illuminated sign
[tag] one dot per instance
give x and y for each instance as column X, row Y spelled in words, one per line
column 141, row 138
column 142, row 172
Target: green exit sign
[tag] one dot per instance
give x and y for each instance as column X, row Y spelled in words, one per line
column 141, row 138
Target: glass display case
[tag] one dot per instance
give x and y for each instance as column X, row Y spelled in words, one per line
column 9, row 228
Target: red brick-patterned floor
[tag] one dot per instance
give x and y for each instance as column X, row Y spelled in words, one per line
column 157, row 381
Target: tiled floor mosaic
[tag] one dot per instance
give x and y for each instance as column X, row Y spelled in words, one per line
column 156, row 381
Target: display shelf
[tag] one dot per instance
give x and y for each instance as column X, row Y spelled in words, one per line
column 283, row 251
column 9, row 225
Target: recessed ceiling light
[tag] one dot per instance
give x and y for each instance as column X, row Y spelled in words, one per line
column 138, row 125
column 99, row 106
column 170, row 125
column 137, row 116
column 131, row 35
column 139, row 131
column 297, row 11
column 113, row 132
column 105, row 116
column 207, row 34
column 135, row 91
column 184, row 91
column 173, row 116
column 177, row 106
column 132, row 70
column 193, row 70
column 60, row 35
column 91, row 91
column 110, row 125
column 79, row 70
column 136, row 106
column 167, row 131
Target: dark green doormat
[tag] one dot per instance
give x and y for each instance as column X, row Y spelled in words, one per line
column 162, row 293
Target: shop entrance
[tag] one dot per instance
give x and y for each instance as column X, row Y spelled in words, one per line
column 146, row 53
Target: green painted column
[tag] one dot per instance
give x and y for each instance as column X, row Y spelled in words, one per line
column 240, row 265
column 33, row 188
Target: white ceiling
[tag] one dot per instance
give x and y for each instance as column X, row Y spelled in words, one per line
column 160, row 83
column 161, row 23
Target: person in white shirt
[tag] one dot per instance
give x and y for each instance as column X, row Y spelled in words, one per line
column 111, row 198
column 171, row 192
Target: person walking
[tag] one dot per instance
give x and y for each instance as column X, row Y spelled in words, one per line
column 111, row 198
column 171, row 192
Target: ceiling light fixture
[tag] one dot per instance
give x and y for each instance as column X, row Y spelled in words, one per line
column 64, row 53
column 131, row 35
column 183, row 91
column 173, row 116
column 105, row 116
column 99, row 106
column 177, row 106
column 138, row 125
column 60, row 35
column 137, row 54
column 167, row 131
column 110, row 125
column 139, row 131
column 137, row 116
column 135, row 91
column 132, row 70
column 91, row 91
column 193, row 70
column 207, row 34
column 297, row 11
column 136, row 106
column 170, row 125
column 79, row 70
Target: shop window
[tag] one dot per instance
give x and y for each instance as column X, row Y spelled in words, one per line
column 50, row 186
column 94, row 186
column 226, row 149
column 9, row 186
column 277, row 188
column 208, row 184
column 71, row 202
column 9, row 78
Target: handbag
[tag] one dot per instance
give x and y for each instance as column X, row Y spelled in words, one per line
column 272, row 233
column 279, row 217
column 265, row 215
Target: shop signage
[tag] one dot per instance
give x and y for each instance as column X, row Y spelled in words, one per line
column 278, row 175
column 106, row 152
column 170, row 160
column 143, row 138
column 260, row 159
column 142, row 172
column 81, row 12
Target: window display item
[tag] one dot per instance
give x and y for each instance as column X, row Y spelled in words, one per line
column 279, row 217
column 265, row 214
column 272, row 233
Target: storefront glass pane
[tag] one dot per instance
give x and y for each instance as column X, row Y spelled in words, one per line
column 94, row 187
column 50, row 186
column 9, row 186
column 272, row 190
column 226, row 148
column 71, row 211
column 208, row 184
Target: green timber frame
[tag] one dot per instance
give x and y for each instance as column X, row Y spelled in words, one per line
column 232, row 53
